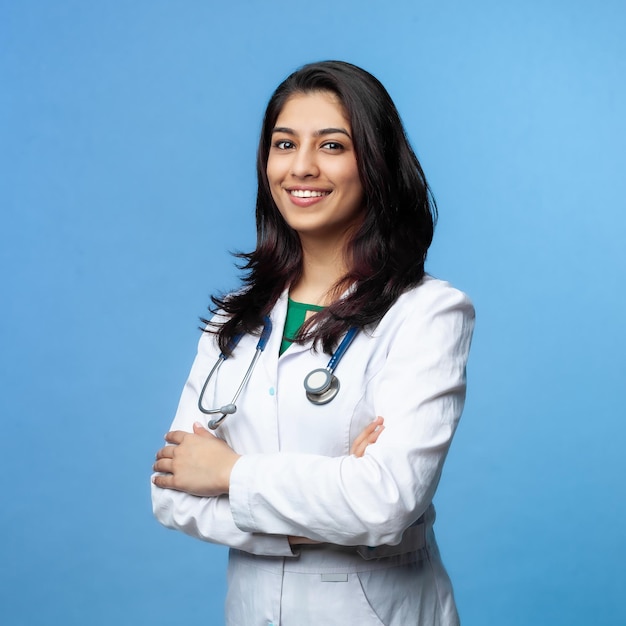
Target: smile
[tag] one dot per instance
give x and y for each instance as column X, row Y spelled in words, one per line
column 307, row 193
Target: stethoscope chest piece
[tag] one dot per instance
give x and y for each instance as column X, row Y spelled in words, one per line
column 321, row 386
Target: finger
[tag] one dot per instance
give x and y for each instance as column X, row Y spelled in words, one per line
column 165, row 466
column 166, row 452
column 199, row 429
column 358, row 443
column 375, row 425
column 359, row 450
column 375, row 434
column 297, row 541
column 363, row 435
column 165, row 481
column 175, row 436
column 369, row 435
column 366, row 434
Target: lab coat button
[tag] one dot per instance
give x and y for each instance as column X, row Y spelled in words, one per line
column 272, row 392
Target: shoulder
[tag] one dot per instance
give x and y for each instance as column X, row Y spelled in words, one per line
column 433, row 308
column 430, row 324
column 433, row 295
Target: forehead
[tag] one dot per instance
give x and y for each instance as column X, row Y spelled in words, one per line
column 314, row 110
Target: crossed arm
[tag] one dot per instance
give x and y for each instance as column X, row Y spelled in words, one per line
column 264, row 498
column 200, row 464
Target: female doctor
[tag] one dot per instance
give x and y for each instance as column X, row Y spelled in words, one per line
column 326, row 509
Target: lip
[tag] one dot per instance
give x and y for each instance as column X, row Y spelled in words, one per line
column 306, row 201
column 306, row 188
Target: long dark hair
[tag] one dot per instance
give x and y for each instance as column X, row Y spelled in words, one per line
column 389, row 247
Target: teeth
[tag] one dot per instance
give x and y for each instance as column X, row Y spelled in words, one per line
column 307, row 193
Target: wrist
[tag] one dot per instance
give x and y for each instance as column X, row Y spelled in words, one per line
column 228, row 470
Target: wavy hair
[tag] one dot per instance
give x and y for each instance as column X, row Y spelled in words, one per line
column 388, row 249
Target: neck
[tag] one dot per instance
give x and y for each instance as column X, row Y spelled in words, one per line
column 323, row 265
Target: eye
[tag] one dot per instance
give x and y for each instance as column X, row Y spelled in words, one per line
column 283, row 144
column 333, row 146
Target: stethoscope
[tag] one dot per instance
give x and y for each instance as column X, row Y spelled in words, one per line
column 321, row 384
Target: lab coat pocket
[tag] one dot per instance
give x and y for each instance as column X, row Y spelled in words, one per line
column 403, row 595
column 253, row 596
column 333, row 599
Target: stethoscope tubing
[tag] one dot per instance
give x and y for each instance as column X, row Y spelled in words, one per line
column 341, row 349
column 315, row 393
column 231, row 407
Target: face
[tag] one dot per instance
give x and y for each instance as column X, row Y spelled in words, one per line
column 312, row 168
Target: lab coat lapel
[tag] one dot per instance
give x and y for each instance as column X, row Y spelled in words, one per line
column 278, row 315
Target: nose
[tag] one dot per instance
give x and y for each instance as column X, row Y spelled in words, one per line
column 304, row 163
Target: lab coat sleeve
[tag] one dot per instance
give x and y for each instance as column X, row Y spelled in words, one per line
column 420, row 392
column 209, row 519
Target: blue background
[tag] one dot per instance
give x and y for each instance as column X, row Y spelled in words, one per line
column 128, row 133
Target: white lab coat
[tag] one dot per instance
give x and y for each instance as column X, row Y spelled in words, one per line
column 379, row 563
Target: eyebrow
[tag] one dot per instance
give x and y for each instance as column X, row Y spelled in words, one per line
column 317, row 133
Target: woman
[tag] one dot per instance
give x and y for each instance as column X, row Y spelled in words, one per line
column 328, row 516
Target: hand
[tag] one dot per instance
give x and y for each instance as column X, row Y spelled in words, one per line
column 369, row 435
column 197, row 463
column 298, row 541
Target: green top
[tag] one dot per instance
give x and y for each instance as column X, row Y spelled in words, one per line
column 296, row 314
